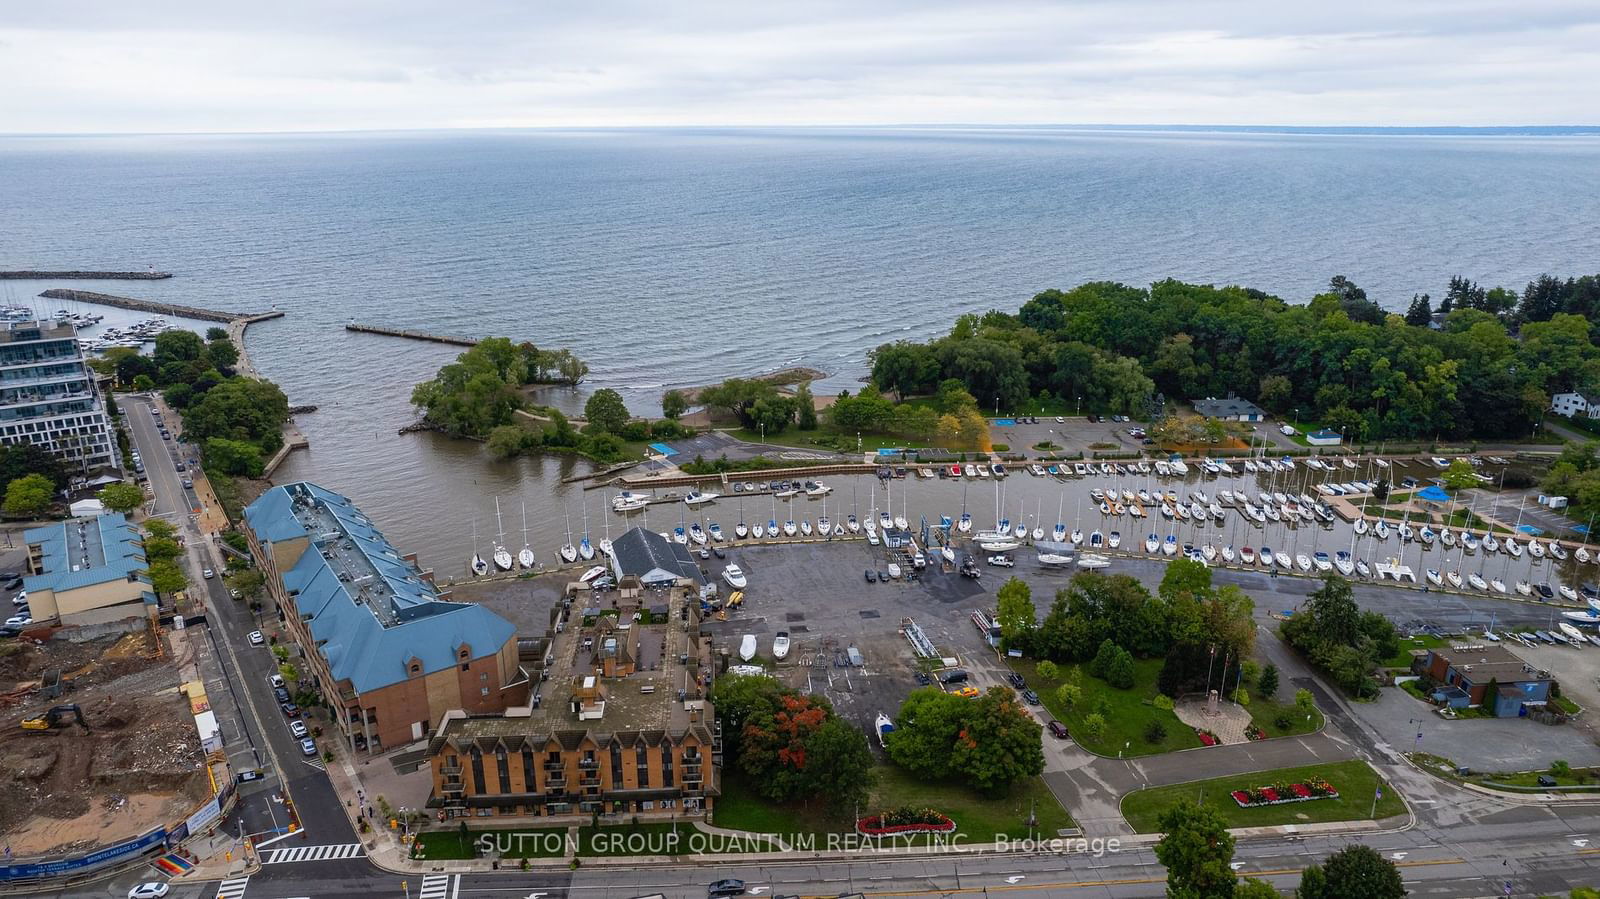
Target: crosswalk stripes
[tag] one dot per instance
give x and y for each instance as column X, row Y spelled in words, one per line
column 232, row 889
column 313, row 853
column 435, row 886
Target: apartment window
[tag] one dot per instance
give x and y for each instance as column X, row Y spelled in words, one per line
column 465, row 667
column 504, row 765
column 529, row 784
column 641, row 762
column 666, row 764
column 452, row 761
column 484, row 691
column 477, row 770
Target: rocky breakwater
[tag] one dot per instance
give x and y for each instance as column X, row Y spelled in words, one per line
column 29, row 275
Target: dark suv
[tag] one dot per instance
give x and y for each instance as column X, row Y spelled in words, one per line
column 1058, row 730
column 953, row 677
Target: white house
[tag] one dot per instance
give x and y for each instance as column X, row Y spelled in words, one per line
column 1573, row 405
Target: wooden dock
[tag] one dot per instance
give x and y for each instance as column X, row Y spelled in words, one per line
column 411, row 335
column 83, row 276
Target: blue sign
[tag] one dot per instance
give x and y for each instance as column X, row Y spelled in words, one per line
column 890, row 452
column 92, row 860
column 1005, row 422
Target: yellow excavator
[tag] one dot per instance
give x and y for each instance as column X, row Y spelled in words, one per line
column 56, row 717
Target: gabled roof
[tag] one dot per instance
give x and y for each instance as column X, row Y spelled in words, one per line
column 369, row 610
column 102, row 548
column 1229, row 407
column 652, row 558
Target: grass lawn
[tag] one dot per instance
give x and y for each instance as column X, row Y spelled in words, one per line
column 535, row 842
column 979, row 818
column 1355, row 781
column 1565, row 704
column 1265, row 716
column 1402, row 659
column 1129, row 713
column 825, row 438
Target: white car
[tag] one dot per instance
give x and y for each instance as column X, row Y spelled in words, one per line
column 275, row 680
column 19, row 621
column 1060, row 420
column 298, row 729
column 21, row 599
column 256, row 639
column 1002, row 561
column 208, row 574
column 308, row 747
column 152, row 890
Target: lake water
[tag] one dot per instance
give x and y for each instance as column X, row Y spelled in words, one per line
column 680, row 257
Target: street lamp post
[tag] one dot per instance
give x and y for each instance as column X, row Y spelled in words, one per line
column 1079, row 410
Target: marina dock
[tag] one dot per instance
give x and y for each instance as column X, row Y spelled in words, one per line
column 173, row 309
column 83, row 276
column 411, row 335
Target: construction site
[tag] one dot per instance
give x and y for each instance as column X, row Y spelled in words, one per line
column 97, row 743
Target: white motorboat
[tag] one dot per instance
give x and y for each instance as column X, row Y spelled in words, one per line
column 1169, row 547
column 1228, row 555
column 1524, row 588
column 696, row 498
column 1092, row 562
column 1381, row 463
column 1114, row 539
column 787, row 491
column 1363, row 569
column 697, row 533
column 1303, row 561
column 1567, row 593
column 1152, row 544
column 626, row 502
column 817, row 488
column 1321, row 560
column 780, row 646
column 947, row 554
column 1341, row 561
column 747, row 647
column 1096, row 540
column 1285, row 562
column 1497, row 585
column 715, row 530
column 592, row 573
column 1572, row 634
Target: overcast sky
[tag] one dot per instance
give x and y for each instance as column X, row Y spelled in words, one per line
column 167, row 65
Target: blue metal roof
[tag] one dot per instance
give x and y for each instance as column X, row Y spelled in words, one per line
column 81, row 552
column 369, row 609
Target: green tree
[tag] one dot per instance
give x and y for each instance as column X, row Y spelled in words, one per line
column 121, row 497
column 222, row 354
column 1354, row 872
column 1000, row 743
column 1104, row 658
column 239, row 409
column 19, row 459
column 1119, row 672
column 177, row 345
column 216, row 333
column 1420, row 312
column 839, row 766
column 1048, row 670
column 246, row 581
column 904, row 368
column 674, row 404
column 1251, row 888
column 1069, row 695
column 1015, row 612
column 143, row 383
column 166, row 577
column 1276, row 393
column 805, row 407
column 1197, row 851
column 1460, row 475
column 236, row 457
column 29, row 496
column 1093, row 726
column 1304, row 701
column 1267, row 684
column 605, row 411
column 926, row 729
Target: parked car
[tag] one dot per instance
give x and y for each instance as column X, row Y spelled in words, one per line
column 298, row 729
column 922, row 679
column 19, row 621
column 21, row 599
column 872, row 576
column 256, row 639
column 1030, row 697
column 152, row 890
column 12, row 581
column 208, row 574
column 1016, row 680
column 955, row 676
column 276, row 680
column 281, row 693
column 308, row 746
column 289, row 709
column 1002, row 561
column 9, row 630
column 726, row 887
column 1057, row 730
column 188, row 483
column 967, row 692
column 1060, row 420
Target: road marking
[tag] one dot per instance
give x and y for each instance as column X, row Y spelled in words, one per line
column 1016, row 878
column 1236, row 865
column 232, row 889
column 330, row 852
column 1580, row 843
column 282, row 836
column 435, row 886
column 1397, row 856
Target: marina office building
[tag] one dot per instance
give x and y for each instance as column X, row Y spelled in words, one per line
column 387, row 649
column 621, row 723
column 87, row 571
column 48, row 395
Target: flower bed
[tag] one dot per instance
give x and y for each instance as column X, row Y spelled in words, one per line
column 1279, row 793
column 1255, row 733
column 905, row 820
column 1206, row 736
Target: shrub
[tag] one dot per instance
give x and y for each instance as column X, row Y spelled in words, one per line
column 1560, row 768
column 1094, row 726
column 1284, row 721
column 1267, row 684
column 1249, row 672
column 1155, row 732
column 1002, row 447
column 1049, row 670
column 1069, row 695
column 1241, row 696
column 1119, row 673
column 1103, row 657
column 1162, row 701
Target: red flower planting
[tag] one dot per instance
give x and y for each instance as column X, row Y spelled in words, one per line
column 1314, row 788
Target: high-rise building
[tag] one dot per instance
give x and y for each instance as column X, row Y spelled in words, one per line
column 48, row 395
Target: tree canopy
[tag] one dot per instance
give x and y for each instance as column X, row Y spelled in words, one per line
column 121, row 497
column 479, row 390
column 1339, row 638
column 20, row 459
column 988, row 742
column 1197, row 851
column 29, row 496
column 1354, row 872
column 792, row 745
column 605, row 411
column 1488, row 372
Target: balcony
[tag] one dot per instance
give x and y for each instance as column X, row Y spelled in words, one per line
column 588, row 763
column 555, row 766
column 589, row 779
column 446, row 770
column 556, row 778
column 456, row 788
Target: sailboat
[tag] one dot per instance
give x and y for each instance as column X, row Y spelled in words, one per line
column 585, row 548
column 479, row 566
column 884, row 521
column 850, row 520
column 900, row 520
column 741, row 530
column 789, row 528
column 605, row 542
column 568, row 552
column 772, row 523
column 526, row 557
column 964, row 524
column 1059, row 535
column 1038, row 521
column 502, row 557
column 824, row 524
column 1022, row 525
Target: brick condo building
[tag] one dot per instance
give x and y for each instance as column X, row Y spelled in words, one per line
column 388, row 650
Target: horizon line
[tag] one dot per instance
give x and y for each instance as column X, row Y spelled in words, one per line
column 1421, row 130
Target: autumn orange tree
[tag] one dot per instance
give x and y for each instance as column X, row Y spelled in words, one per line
column 791, row 745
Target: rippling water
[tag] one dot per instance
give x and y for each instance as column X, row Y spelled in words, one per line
column 679, row 257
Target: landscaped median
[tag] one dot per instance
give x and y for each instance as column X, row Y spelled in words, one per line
column 1355, row 785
